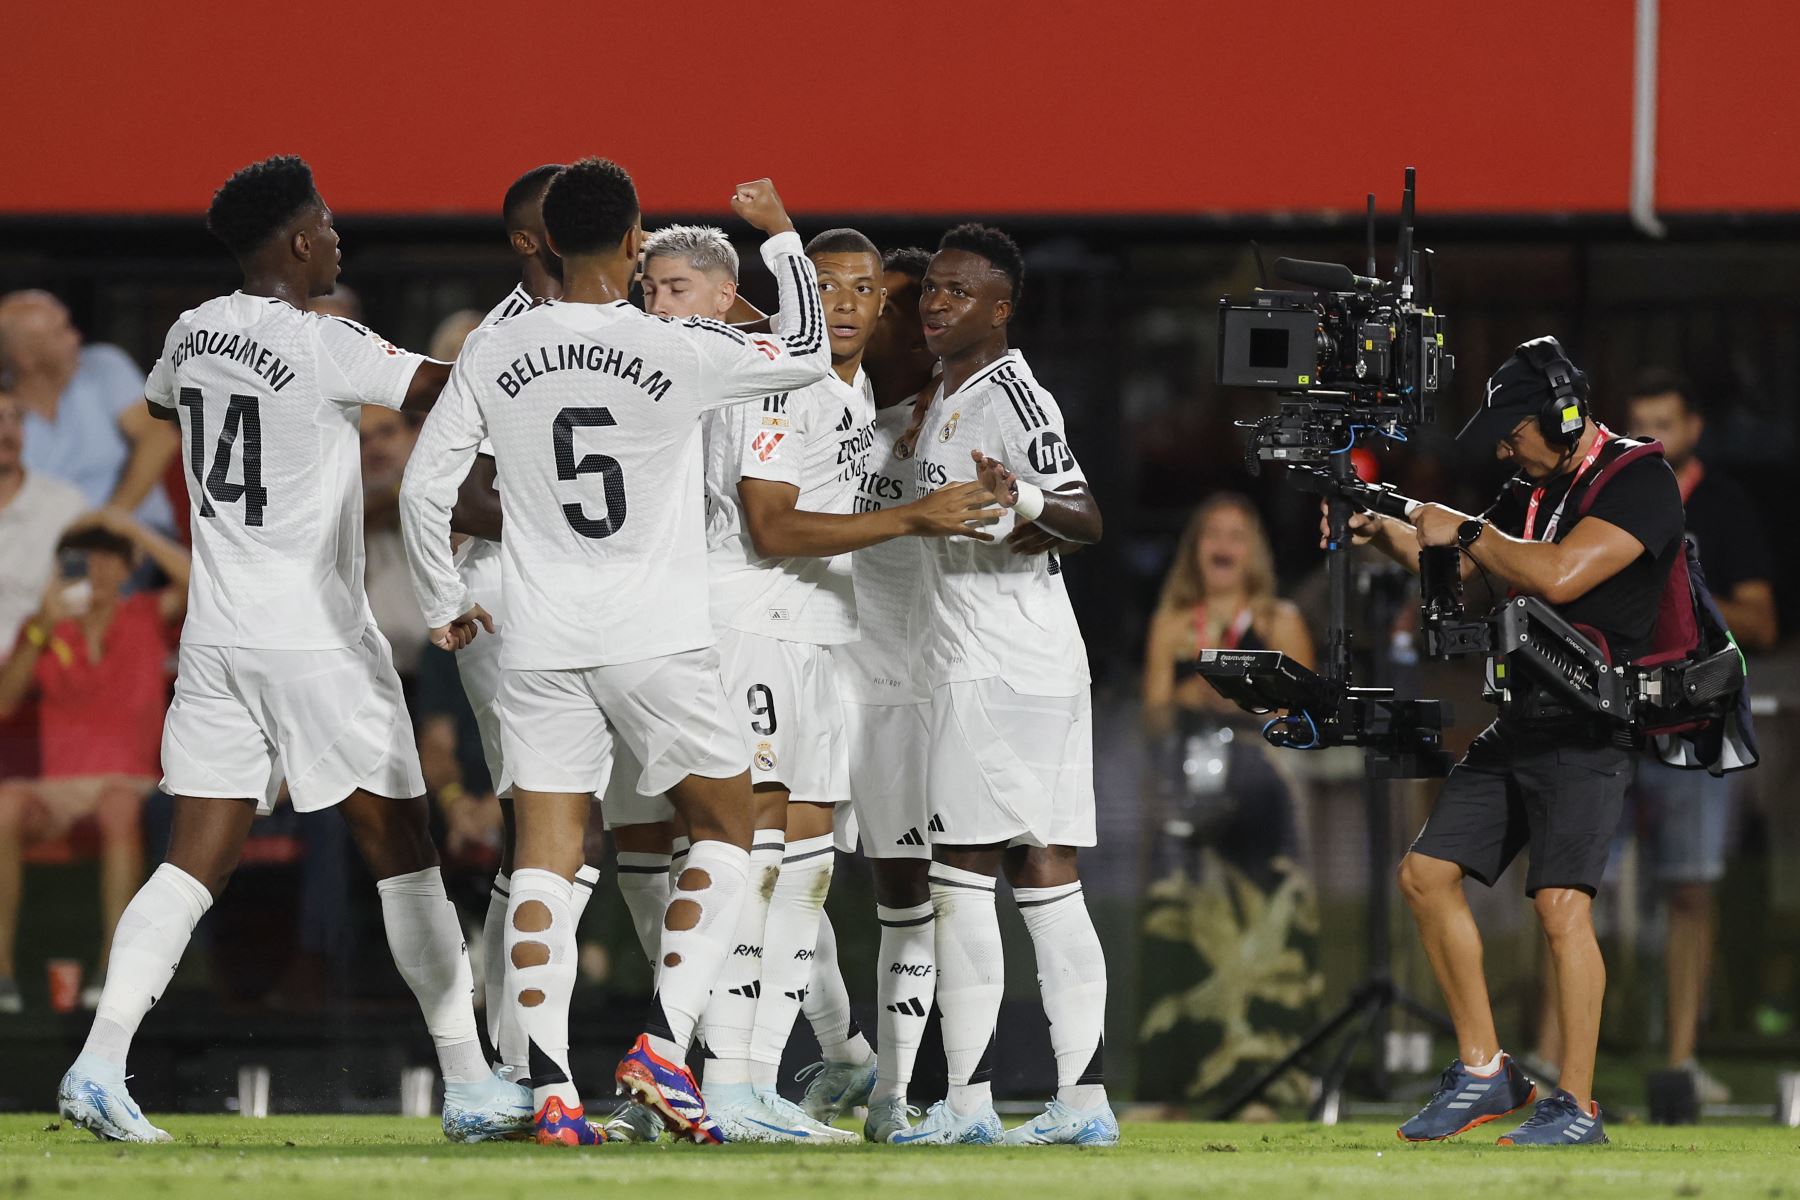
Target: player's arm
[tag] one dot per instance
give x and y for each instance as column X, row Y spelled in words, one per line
column 1069, row 513
column 1594, row 551
column 160, row 412
column 427, row 382
column 477, row 509
column 779, row 529
column 440, row 462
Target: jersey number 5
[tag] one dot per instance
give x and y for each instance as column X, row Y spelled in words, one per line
column 241, row 416
column 611, row 475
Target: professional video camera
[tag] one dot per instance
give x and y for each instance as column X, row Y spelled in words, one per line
column 1358, row 354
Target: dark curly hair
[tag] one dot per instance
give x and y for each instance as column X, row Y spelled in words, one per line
column 1001, row 251
column 911, row 261
column 589, row 206
column 258, row 202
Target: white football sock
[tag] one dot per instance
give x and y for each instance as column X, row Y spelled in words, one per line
column 971, row 976
column 582, row 891
column 713, row 879
column 551, row 983
column 904, row 990
column 731, row 1011
column 827, row 1005
column 426, row 940
column 153, row 932
column 504, row 1034
column 788, row 949
column 644, row 883
column 1072, row 977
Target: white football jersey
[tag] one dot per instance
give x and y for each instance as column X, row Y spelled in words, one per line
column 880, row 667
column 817, row 439
column 479, row 558
column 594, row 411
column 989, row 611
column 269, row 399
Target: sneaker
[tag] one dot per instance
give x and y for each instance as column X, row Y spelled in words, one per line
column 667, row 1089
column 836, row 1088
column 1559, row 1121
column 93, row 1096
column 1707, row 1088
column 632, row 1122
column 486, row 1110
column 943, row 1127
column 787, row 1110
column 11, row 1002
column 886, row 1118
column 1060, row 1125
column 1464, row 1100
column 556, row 1124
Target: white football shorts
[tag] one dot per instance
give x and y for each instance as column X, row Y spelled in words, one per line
column 784, row 696
column 622, row 803
column 888, row 746
column 1007, row 767
column 558, row 727
column 478, row 663
column 329, row 721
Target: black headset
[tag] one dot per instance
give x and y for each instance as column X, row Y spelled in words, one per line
column 1564, row 412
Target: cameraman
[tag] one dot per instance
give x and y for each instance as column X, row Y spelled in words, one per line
column 1537, row 778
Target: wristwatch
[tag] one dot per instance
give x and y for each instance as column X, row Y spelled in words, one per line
column 1468, row 531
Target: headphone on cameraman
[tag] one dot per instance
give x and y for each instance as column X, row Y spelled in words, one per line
column 1564, row 412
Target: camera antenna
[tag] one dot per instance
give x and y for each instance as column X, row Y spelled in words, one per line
column 1262, row 272
column 1427, row 276
column 1405, row 266
column 1369, row 230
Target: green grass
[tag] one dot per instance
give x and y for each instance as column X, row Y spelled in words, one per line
column 370, row 1158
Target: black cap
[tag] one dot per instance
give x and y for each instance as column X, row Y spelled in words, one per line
column 1518, row 390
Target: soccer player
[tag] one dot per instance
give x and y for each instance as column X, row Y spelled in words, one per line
column 1010, row 778
column 282, row 671
column 886, row 730
column 593, row 408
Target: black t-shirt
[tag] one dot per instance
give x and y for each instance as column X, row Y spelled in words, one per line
column 1728, row 532
column 1644, row 500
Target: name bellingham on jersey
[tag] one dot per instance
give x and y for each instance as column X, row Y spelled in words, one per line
column 580, row 356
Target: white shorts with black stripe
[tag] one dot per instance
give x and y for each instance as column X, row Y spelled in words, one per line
column 1010, row 768
column 888, row 745
column 784, row 697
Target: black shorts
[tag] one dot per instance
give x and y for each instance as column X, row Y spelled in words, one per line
column 1514, row 789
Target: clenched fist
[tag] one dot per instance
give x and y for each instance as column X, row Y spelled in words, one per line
column 759, row 203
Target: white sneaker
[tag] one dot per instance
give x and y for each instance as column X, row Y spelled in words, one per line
column 886, row 1118
column 836, row 1088
column 776, row 1103
column 486, row 1110
column 1060, row 1125
column 1707, row 1089
column 93, row 1095
column 943, row 1127
column 742, row 1116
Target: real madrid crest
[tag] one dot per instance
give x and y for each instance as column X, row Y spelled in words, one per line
column 949, row 429
column 764, row 757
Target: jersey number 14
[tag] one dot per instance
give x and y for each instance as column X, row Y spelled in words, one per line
column 242, row 417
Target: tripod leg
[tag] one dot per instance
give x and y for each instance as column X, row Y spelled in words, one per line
column 1375, row 1003
column 1318, row 1036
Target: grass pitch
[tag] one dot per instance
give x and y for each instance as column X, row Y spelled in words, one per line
column 372, row 1158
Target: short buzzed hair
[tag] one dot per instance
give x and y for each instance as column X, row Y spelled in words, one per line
column 842, row 241
column 704, row 247
column 525, row 192
column 993, row 245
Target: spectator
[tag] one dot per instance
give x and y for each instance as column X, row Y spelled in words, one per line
column 340, row 301
column 34, row 511
column 98, row 660
column 85, row 418
column 387, row 442
column 451, row 332
column 1227, row 828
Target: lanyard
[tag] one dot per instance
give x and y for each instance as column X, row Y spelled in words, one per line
column 1230, row 636
column 1690, row 479
column 1537, row 493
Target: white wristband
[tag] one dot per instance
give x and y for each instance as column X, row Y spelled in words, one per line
column 1030, row 502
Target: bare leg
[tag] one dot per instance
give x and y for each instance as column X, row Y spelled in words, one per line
column 121, row 856
column 1689, row 953
column 393, row 835
column 13, row 799
column 1568, row 920
column 1433, row 890
column 1550, row 1040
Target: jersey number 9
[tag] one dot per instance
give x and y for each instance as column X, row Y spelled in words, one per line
column 241, row 416
column 611, row 475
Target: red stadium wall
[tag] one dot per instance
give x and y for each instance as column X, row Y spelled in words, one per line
column 417, row 107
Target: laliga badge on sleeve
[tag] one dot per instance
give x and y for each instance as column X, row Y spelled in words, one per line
column 764, row 757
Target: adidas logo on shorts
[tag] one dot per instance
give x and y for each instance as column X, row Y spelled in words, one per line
column 909, row 1007
column 910, row 838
